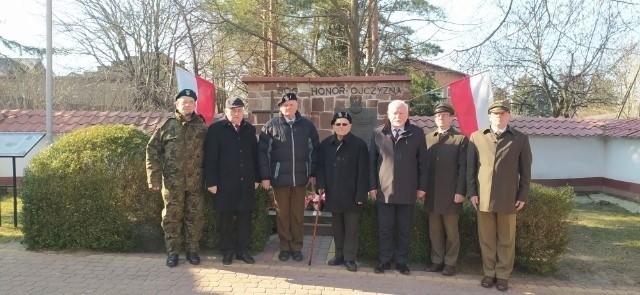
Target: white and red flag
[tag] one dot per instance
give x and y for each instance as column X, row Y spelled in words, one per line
column 471, row 96
column 205, row 90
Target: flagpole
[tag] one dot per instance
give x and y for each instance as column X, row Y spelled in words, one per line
column 49, row 78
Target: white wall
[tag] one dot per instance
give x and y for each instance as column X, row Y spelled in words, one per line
column 567, row 157
column 623, row 160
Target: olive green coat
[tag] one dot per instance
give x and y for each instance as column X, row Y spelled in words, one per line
column 499, row 169
column 447, row 171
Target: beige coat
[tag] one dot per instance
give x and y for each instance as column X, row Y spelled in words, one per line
column 499, row 169
column 447, row 171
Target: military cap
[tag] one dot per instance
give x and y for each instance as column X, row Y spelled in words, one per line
column 288, row 97
column 502, row 104
column 443, row 107
column 187, row 92
column 234, row 103
column 339, row 115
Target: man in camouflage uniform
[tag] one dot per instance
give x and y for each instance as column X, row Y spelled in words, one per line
column 175, row 155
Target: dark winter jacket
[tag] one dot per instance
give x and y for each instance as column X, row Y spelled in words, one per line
column 288, row 153
column 343, row 172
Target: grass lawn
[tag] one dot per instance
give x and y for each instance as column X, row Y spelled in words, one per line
column 604, row 248
column 9, row 233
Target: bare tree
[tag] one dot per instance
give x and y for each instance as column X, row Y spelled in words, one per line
column 565, row 49
column 135, row 41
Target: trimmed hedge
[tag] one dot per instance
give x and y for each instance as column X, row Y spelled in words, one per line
column 88, row 190
column 542, row 230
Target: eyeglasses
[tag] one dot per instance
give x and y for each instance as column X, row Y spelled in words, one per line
column 341, row 124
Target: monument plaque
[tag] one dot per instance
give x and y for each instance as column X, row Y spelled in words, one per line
column 364, row 119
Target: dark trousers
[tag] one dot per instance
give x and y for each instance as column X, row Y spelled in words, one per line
column 241, row 231
column 345, row 234
column 398, row 217
column 289, row 216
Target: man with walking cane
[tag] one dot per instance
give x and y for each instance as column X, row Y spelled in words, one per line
column 342, row 175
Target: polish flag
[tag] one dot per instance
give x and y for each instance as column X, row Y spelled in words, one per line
column 471, row 96
column 205, row 90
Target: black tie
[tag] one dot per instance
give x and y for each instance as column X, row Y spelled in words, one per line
column 396, row 135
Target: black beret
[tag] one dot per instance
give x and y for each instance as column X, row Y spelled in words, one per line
column 502, row 104
column 234, row 103
column 339, row 115
column 187, row 92
column 288, row 97
column 444, row 107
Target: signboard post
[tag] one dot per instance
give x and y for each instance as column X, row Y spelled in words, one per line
column 17, row 145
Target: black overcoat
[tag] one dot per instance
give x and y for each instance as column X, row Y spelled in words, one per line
column 231, row 163
column 398, row 170
column 343, row 172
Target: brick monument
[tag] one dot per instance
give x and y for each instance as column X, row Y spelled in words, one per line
column 365, row 97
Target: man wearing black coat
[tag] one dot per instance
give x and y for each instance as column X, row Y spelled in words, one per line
column 343, row 172
column 398, row 161
column 231, row 175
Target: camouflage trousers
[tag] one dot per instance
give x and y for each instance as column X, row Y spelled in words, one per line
column 182, row 210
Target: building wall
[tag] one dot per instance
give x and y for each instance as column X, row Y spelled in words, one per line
column 622, row 160
column 567, row 157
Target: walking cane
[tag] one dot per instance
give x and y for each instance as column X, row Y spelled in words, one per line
column 316, row 206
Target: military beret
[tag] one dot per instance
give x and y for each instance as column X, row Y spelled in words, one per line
column 443, row 107
column 234, row 103
column 502, row 104
column 339, row 115
column 288, row 97
column 187, row 92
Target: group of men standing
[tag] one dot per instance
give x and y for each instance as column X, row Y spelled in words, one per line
column 492, row 167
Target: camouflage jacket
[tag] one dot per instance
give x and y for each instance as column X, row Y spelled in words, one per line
column 175, row 154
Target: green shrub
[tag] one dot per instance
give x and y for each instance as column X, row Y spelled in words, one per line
column 88, row 191
column 542, row 231
column 261, row 225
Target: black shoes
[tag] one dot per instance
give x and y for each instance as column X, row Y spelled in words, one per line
column 172, row 260
column 381, row 267
column 227, row 259
column 336, row 261
column 297, row 256
column 351, row 265
column 193, row 258
column 246, row 258
column 403, row 269
column 284, row 255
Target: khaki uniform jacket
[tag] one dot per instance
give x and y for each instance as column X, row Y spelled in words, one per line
column 175, row 154
column 499, row 169
column 447, row 171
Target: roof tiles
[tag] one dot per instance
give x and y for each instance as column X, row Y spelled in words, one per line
column 572, row 127
column 66, row 121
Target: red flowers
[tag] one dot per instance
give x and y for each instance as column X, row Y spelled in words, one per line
column 314, row 202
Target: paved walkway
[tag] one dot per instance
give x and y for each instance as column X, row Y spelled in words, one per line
column 27, row 272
